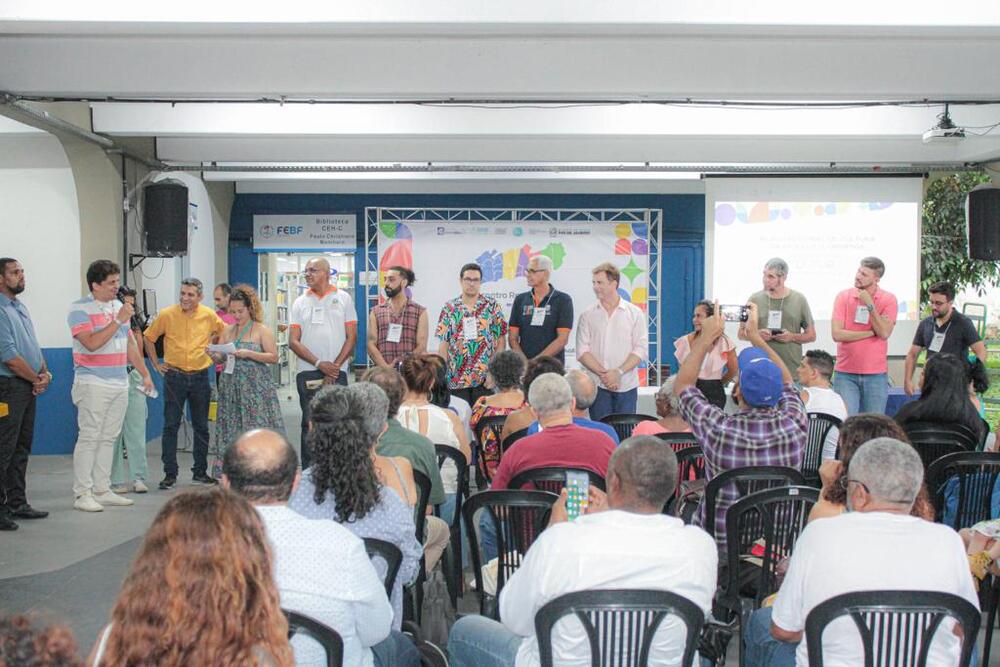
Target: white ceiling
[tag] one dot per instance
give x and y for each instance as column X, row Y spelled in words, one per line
column 390, row 55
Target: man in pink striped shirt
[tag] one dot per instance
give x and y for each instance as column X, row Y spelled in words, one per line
column 103, row 347
column 612, row 339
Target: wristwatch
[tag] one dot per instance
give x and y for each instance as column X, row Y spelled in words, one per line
column 871, row 308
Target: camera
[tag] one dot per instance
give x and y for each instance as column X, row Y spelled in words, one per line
column 733, row 313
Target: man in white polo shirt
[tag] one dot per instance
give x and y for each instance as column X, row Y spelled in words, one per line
column 322, row 333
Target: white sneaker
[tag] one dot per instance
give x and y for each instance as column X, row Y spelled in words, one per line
column 140, row 487
column 112, row 498
column 121, row 488
column 87, row 504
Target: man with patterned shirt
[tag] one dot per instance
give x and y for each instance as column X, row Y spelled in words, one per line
column 397, row 328
column 471, row 329
column 770, row 427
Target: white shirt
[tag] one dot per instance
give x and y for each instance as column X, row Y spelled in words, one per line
column 439, row 429
column 323, row 571
column 859, row 551
column 610, row 549
column 323, row 322
column 612, row 338
column 827, row 400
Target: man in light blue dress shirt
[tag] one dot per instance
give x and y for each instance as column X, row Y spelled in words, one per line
column 23, row 377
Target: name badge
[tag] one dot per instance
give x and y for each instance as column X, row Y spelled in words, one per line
column 937, row 342
column 317, row 316
column 774, row 319
column 230, row 364
column 395, row 333
column 470, row 328
column 861, row 315
column 538, row 316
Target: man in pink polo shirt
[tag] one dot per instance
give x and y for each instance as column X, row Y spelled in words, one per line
column 862, row 321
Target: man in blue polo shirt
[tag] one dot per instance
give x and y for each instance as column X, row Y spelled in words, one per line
column 542, row 317
column 23, row 376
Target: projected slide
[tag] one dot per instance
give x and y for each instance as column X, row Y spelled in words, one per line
column 822, row 243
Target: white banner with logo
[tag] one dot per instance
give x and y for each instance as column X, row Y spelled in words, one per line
column 292, row 233
column 437, row 250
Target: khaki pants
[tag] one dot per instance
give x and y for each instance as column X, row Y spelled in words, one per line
column 436, row 538
column 100, row 413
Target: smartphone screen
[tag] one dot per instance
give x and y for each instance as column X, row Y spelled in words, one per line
column 578, row 490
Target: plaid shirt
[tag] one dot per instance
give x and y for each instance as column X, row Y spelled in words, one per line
column 754, row 437
column 409, row 317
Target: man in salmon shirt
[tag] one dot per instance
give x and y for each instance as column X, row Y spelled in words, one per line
column 862, row 321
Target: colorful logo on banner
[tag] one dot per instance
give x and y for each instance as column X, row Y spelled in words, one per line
column 763, row 211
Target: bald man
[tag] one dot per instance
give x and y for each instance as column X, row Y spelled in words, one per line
column 322, row 569
column 323, row 328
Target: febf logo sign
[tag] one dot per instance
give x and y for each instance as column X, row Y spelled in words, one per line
column 334, row 231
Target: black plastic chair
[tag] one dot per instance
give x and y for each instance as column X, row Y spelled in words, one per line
column 511, row 439
column 749, row 479
column 454, row 569
column 423, row 484
column 552, row 479
column 493, row 425
column 620, row 624
column 770, row 521
column 413, row 595
column 678, row 440
column 327, row 637
column 820, row 424
column 624, row 423
column 518, row 518
column 690, row 467
column 895, row 627
column 933, row 440
column 390, row 554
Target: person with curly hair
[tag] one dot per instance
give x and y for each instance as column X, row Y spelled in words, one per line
column 343, row 484
column 247, row 395
column 25, row 644
column 201, row 591
column 505, row 372
column 854, row 432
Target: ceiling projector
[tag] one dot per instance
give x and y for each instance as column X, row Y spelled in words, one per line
column 944, row 135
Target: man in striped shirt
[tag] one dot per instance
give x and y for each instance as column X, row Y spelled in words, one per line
column 103, row 347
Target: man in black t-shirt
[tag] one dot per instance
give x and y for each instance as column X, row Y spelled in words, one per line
column 541, row 318
column 946, row 330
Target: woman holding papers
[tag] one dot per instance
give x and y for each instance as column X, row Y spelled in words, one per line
column 247, row 396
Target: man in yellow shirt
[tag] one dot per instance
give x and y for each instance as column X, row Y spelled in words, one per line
column 188, row 328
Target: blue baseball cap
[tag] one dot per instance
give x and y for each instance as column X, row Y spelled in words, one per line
column 760, row 378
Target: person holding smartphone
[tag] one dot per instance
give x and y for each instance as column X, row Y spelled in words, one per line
column 784, row 319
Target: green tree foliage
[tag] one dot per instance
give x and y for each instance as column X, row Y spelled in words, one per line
column 944, row 240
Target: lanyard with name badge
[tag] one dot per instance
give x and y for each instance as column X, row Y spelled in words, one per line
column 231, row 358
column 937, row 338
column 539, row 312
column 774, row 316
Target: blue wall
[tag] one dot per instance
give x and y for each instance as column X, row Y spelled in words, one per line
column 683, row 237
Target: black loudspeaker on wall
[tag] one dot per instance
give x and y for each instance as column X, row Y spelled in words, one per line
column 982, row 211
column 165, row 219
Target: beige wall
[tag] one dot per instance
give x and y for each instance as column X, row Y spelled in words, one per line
column 222, row 195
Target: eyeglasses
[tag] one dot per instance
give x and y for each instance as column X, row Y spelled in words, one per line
column 908, row 501
column 537, row 270
column 472, row 280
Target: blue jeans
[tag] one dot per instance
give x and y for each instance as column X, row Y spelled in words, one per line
column 760, row 649
column 447, row 514
column 613, row 402
column 478, row 641
column 194, row 389
column 396, row 649
column 862, row 393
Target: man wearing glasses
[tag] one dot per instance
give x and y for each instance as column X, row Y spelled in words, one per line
column 471, row 329
column 323, row 328
column 542, row 317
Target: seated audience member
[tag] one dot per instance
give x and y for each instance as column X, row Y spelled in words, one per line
column 505, row 372
column 321, row 568
column 854, row 432
column 668, row 409
column 442, row 397
column 944, row 397
column 623, row 541
column 522, row 419
column 342, row 483
column 814, row 374
column 584, row 394
column 204, row 563
column 770, row 427
column 875, row 546
column 25, row 644
column 979, row 384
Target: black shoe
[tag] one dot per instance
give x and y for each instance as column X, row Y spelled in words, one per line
column 26, row 511
column 6, row 523
column 168, row 482
column 202, row 478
